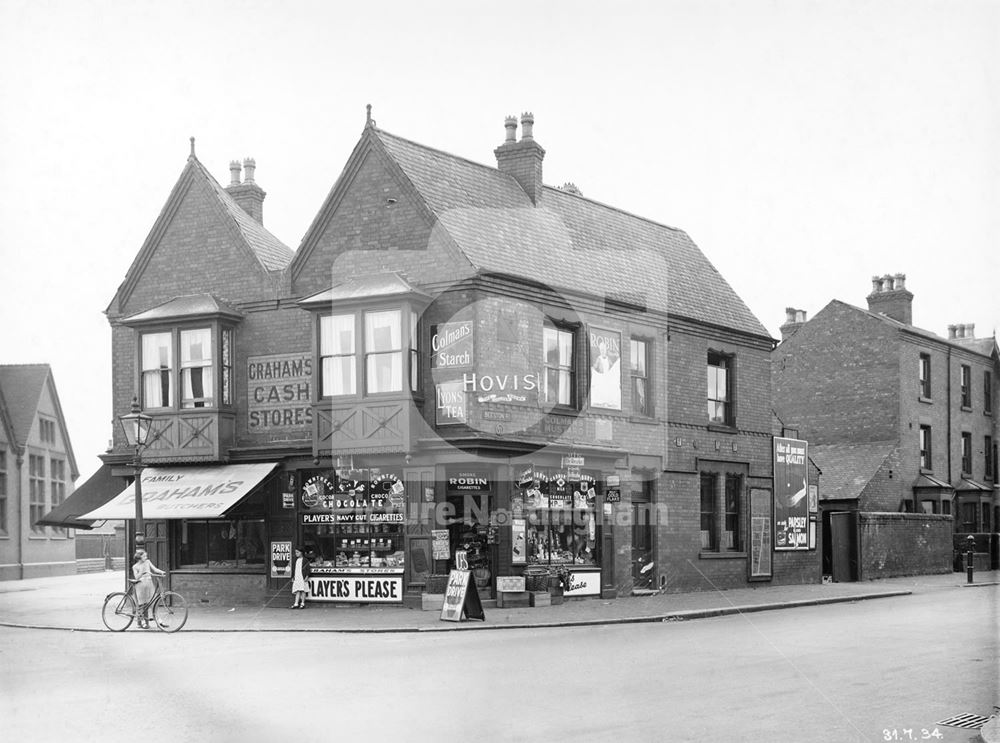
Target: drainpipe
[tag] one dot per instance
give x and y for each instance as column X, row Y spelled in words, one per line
column 948, row 408
column 20, row 515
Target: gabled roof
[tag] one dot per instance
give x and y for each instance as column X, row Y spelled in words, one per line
column 7, row 424
column 567, row 242
column 20, row 391
column 264, row 248
column 22, row 388
column 966, row 485
column 178, row 307
column 848, row 468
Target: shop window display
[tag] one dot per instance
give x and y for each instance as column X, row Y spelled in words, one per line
column 354, row 521
column 221, row 543
column 561, row 526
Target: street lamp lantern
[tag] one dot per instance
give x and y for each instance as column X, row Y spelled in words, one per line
column 136, row 427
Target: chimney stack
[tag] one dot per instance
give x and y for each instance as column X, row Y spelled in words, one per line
column 794, row 319
column 891, row 298
column 247, row 194
column 522, row 160
column 962, row 331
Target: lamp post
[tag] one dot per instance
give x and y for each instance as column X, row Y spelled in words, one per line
column 136, row 426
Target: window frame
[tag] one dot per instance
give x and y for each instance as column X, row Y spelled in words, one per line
column 733, row 517
column 410, row 329
column 988, row 472
column 3, row 491
column 36, row 492
column 646, row 410
column 570, row 369
column 709, row 514
column 57, row 485
column 924, row 377
column 966, row 449
column 987, row 392
column 965, row 386
column 222, row 340
column 727, row 362
column 925, row 447
column 234, row 523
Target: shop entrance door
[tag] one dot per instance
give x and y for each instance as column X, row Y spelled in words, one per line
column 643, row 568
column 469, row 531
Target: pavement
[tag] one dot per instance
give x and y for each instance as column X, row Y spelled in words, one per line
column 74, row 603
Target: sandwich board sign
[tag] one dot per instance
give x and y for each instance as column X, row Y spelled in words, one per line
column 461, row 599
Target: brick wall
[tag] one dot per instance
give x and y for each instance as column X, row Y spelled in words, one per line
column 894, row 544
column 207, row 589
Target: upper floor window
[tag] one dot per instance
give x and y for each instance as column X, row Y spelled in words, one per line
column 925, row 375
column 987, row 392
column 988, row 457
column 36, row 490
column 58, row 483
column 206, row 365
column 374, row 351
column 720, row 389
column 3, row 491
column 966, row 453
column 966, row 384
column 638, row 364
column 925, row 448
column 47, row 430
column 559, row 355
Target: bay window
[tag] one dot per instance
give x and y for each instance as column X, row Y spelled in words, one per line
column 196, row 368
column 383, row 352
column 157, row 370
column 337, row 355
column 198, row 361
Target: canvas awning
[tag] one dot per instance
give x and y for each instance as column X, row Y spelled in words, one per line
column 186, row 492
column 100, row 487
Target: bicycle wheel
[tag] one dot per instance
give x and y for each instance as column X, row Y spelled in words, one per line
column 118, row 612
column 170, row 611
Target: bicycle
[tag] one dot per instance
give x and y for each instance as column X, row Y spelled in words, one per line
column 168, row 608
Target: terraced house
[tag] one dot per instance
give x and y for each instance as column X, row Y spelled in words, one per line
column 459, row 364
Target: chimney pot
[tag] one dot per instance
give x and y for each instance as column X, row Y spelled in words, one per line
column 876, row 284
column 887, row 283
column 800, row 316
column 527, row 124
column 970, row 330
column 790, row 314
column 510, row 124
column 249, row 165
column 900, row 280
column 234, row 172
column 952, row 331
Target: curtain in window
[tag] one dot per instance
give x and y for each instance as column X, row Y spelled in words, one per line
column 383, row 346
column 336, row 350
column 157, row 367
column 196, row 367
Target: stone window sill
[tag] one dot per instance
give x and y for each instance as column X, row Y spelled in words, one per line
column 722, row 555
column 926, row 400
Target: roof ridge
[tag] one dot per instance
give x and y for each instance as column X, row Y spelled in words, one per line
column 916, row 329
column 484, row 166
column 618, row 209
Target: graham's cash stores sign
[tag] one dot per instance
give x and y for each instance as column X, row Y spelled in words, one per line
column 279, row 393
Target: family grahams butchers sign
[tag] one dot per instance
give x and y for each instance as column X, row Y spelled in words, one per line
column 278, row 393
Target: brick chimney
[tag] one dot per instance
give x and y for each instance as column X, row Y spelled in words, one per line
column 965, row 331
column 891, row 298
column 247, row 194
column 794, row 319
column 522, row 160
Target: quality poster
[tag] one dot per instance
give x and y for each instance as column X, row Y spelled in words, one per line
column 791, row 487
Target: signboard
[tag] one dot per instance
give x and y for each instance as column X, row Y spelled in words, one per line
column 381, row 589
column 281, row 559
column 461, row 599
column 451, row 343
column 583, row 583
column 510, row 583
column 760, row 534
column 450, row 408
column 813, row 499
column 440, row 548
column 791, row 487
column 469, row 482
column 613, row 496
column 519, row 547
column 605, row 369
column 279, row 398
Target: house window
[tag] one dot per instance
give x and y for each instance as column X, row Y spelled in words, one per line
column 47, row 430
column 966, row 453
column 157, row 370
column 638, row 365
column 734, row 489
column 925, row 375
column 966, row 383
column 720, row 407
column 987, row 392
column 708, row 526
column 925, row 448
column 928, row 506
column 36, row 491
column 57, row 485
column 988, row 457
column 946, row 507
column 227, row 366
column 3, row 491
column 196, row 368
column 414, row 353
column 383, row 352
column 220, row 544
column 559, row 354
column 337, row 355
column 986, row 518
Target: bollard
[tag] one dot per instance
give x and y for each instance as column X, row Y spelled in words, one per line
column 970, row 541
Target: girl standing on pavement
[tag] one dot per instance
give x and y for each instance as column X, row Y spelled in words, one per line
column 143, row 571
column 300, row 580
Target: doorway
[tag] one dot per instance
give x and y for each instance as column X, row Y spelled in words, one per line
column 469, row 531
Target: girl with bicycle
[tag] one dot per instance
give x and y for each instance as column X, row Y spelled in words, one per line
column 143, row 571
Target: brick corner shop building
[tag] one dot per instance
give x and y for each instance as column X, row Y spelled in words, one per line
column 457, row 357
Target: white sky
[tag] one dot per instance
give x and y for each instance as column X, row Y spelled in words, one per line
column 804, row 146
